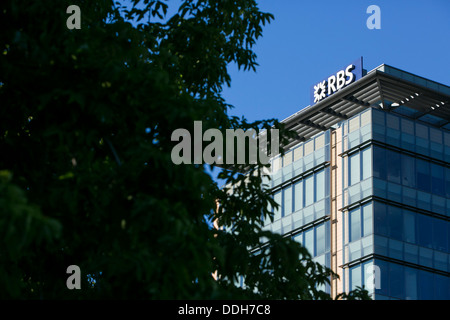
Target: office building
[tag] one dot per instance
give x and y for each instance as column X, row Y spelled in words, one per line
column 366, row 184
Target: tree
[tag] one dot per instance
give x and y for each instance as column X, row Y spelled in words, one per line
column 85, row 136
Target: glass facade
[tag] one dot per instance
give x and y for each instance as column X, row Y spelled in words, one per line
column 383, row 174
column 395, row 204
column 300, row 184
column 396, row 207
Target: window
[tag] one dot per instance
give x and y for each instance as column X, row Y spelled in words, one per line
column 320, row 142
column 316, row 240
column 366, row 163
column 320, row 239
column 287, row 201
column 309, row 147
column 447, row 182
column 424, row 230
column 441, row 287
column 298, row 195
column 355, row 277
column 408, row 171
column 370, row 276
column 411, row 284
column 277, row 212
column 384, row 277
column 355, row 169
column 320, row 185
column 437, row 180
column 367, row 219
column 360, row 222
column 423, row 175
column 380, row 220
column 355, row 224
column 309, row 190
column 309, row 240
column 409, row 226
column 379, row 163
column 276, row 164
column 393, row 167
column 395, row 222
column 439, row 234
column 425, row 285
column 298, row 153
column 397, row 280
column 287, row 159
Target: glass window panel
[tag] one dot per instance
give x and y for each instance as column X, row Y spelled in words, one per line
column 355, row 277
column 384, row 277
column 369, row 277
column 408, row 171
column 367, row 219
column 407, row 126
column 435, row 135
column 299, row 238
column 287, row 201
column 365, row 118
column 298, row 195
column 276, row 164
column 380, row 220
column 396, row 249
column 411, row 253
column 437, row 180
column 308, row 214
column 397, row 281
column 441, row 287
column 392, row 122
column 298, row 153
column 411, row 284
column 440, row 260
column 366, row 163
column 421, row 131
column 425, row 286
column 379, row 163
column 393, row 167
column 309, row 241
column 423, row 175
column 287, row 159
column 327, row 235
column 353, row 124
column 309, row 147
column 448, row 242
column 409, row 226
column 277, row 211
column 395, row 222
column 320, row 239
column 355, row 224
column 440, row 234
column 447, row 182
column 355, row 169
column 320, row 185
column 424, row 224
column 309, row 190
column 320, row 142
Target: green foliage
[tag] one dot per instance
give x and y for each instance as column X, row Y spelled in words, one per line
column 86, row 118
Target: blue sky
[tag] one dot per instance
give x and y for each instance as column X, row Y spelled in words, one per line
column 310, row 40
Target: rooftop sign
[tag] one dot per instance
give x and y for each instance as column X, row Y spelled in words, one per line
column 337, row 81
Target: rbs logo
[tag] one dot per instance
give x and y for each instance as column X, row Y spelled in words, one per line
column 336, row 81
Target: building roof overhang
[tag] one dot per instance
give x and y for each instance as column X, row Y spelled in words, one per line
column 403, row 93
